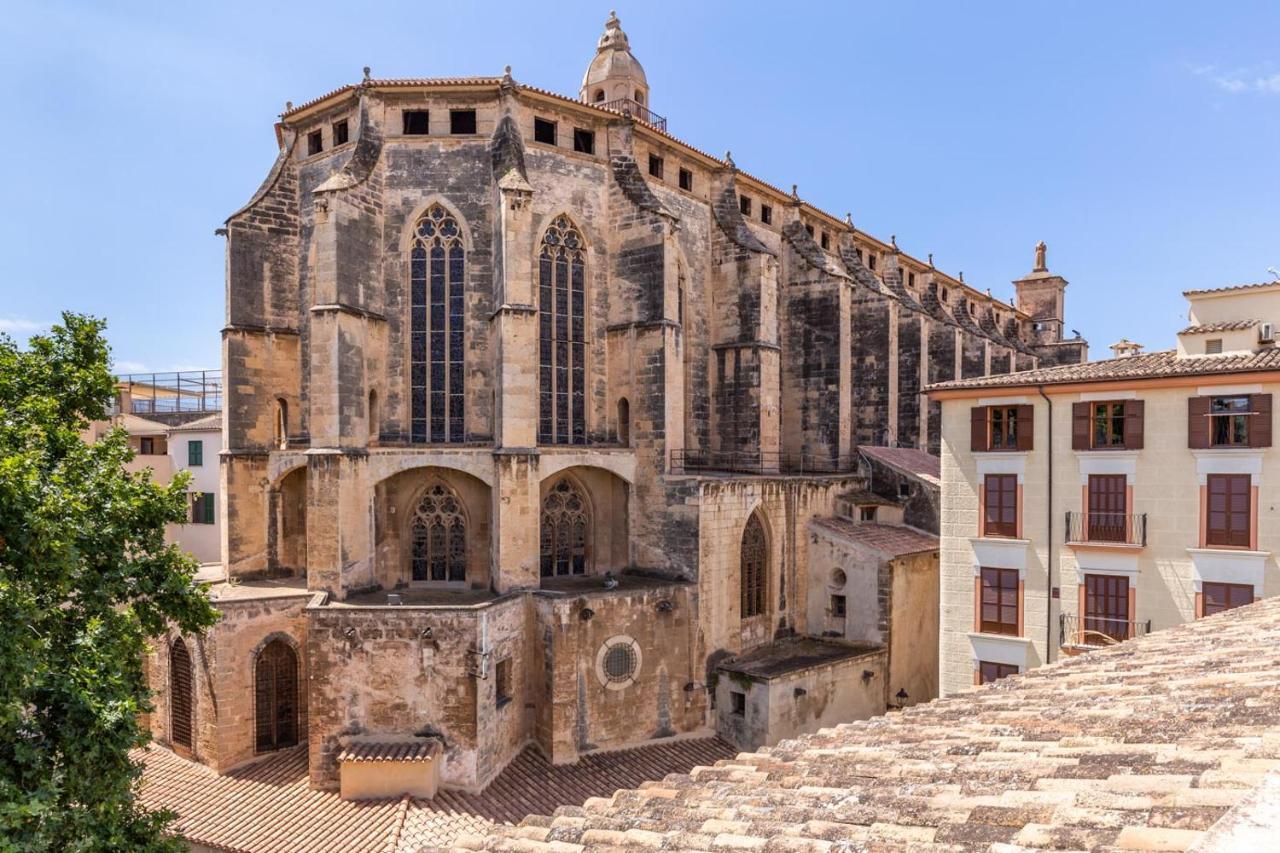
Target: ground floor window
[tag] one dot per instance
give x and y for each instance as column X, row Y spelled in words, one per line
column 999, row 601
column 1106, row 606
column 989, row 671
column 1225, row 596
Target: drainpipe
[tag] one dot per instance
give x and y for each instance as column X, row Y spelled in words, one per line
column 1048, row 588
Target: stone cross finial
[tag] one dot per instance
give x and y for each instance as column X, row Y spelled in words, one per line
column 961, row 275
column 893, row 240
column 795, row 194
column 728, row 160
column 1041, row 249
column 366, row 73
column 848, row 220
column 288, row 106
column 931, row 260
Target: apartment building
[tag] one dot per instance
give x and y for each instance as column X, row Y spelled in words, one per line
column 1087, row 504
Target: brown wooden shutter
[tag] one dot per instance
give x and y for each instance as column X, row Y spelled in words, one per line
column 1080, row 422
column 1260, row 420
column 276, row 696
column 1134, row 423
column 1197, row 422
column 161, row 445
column 180, row 684
column 1026, row 427
column 978, row 429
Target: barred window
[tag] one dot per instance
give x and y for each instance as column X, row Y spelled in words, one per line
column 439, row 537
column 181, row 684
column 565, row 523
column 436, row 360
column 275, row 673
column 562, row 335
column 754, row 561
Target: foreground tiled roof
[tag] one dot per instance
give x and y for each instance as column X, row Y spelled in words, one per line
column 1154, row 365
column 892, row 540
column 917, row 463
column 1229, row 326
column 1144, row 745
column 268, row 807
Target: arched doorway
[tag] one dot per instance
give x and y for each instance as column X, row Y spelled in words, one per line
column 181, row 700
column 275, row 676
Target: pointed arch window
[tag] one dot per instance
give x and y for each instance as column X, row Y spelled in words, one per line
column 562, row 335
column 565, row 526
column 438, row 533
column 275, row 674
column 181, row 682
column 754, row 563
column 437, row 271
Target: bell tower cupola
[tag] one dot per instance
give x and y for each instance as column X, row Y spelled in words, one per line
column 615, row 75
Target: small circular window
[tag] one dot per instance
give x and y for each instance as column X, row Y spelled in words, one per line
column 838, row 577
column 618, row 662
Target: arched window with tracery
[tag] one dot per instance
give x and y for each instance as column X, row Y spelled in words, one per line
column 439, row 537
column 275, row 676
column 181, row 700
column 562, row 335
column 754, row 561
column 437, row 269
column 565, row 525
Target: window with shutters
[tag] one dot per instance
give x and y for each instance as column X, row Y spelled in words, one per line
column 275, row 675
column 753, row 561
column 1229, row 421
column 1238, row 420
column 989, row 671
column 1000, row 505
column 437, row 275
column 562, row 274
column 202, row 511
column 438, row 533
column 1225, row 596
column 565, row 528
column 1229, row 512
column 195, row 454
column 1001, row 428
column 1107, row 425
column 999, row 610
column 181, row 700
column 1106, row 606
column 1108, row 508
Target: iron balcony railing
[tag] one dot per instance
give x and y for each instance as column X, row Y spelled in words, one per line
column 1116, row 528
column 759, row 462
column 174, row 392
column 1096, row 632
column 635, row 109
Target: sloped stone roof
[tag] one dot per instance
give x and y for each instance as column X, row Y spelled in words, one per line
column 1229, row 326
column 1153, row 365
column 892, row 540
column 1143, row 745
column 908, row 460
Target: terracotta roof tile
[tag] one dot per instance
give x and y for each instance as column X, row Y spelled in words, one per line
column 1230, row 326
column 420, row 750
column 1152, row 365
column 1231, row 287
column 269, row 807
column 1146, row 744
column 893, row 540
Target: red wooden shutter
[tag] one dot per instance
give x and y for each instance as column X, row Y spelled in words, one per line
column 1260, row 420
column 1081, row 421
column 180, row 684
column 1026, row 427
column 978, row 429
column 1134, row 424
column 1197, row 422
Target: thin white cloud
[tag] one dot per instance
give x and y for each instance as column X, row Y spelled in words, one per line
column 21, row 326
column 1260, row 79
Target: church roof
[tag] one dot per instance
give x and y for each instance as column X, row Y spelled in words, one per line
column 1144, row 745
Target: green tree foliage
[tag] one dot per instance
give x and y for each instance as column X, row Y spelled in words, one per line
column 85, row 579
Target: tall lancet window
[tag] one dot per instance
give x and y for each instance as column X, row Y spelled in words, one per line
column 562, row 335
column 436, row 275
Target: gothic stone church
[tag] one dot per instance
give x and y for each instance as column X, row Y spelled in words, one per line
column 532, row 415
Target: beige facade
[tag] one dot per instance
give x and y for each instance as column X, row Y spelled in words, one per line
column 1163, row 502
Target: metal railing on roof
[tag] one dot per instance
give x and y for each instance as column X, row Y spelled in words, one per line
column 635, row 109
column 173, row 392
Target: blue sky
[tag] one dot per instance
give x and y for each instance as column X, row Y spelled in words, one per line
column 1138, row 139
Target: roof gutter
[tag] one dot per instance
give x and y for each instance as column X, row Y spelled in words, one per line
column 1048, row 587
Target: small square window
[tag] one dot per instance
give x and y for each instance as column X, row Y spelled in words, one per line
column 584, row 141
column 766, row 214
column 1213, row 346
column 838, row 606
column 146, row 446
column 417, row 122
column 341, row 132
column 502, row 683
column 686, row 180
column 809, row 229
column 867, row 513
column 655, row 166
column 737, row 703
column 744, row 205
column 858, row 252
column 544, row 131
column 826, row 240
column 462, row 122
column 315, row 143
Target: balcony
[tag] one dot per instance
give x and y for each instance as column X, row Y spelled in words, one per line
column 759, row 462
column 1107, row 528
column 1078, row 634
column 636, row 110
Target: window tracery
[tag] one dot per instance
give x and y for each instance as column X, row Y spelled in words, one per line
column 562, row 335
column 565, row 524
column 436, row 363
column 439, row 537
